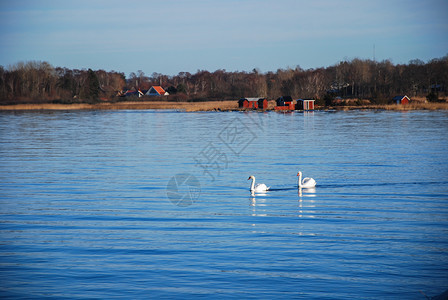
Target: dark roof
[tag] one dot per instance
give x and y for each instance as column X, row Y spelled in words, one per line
column 285, row 99
column 131, row 93
column 400, row 97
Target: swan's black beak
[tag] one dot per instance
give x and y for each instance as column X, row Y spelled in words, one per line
column 248, row 178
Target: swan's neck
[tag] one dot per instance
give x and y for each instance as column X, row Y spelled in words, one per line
column 300, row 180
column 252, row 186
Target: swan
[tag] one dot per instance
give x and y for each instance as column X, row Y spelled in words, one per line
column 306, row 182
column 259, row 188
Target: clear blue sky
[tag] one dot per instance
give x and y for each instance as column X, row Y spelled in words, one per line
column 184, row 36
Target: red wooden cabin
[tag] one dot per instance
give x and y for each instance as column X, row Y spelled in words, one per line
column 305, row 104
column 284, row 103
column 401, row 99
column 261, row 103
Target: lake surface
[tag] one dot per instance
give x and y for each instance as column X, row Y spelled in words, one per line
column 156, row 204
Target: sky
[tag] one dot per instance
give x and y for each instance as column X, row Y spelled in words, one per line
column 171, row 36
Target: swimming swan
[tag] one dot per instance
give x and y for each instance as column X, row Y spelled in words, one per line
column 259, row 188
column 306, row 182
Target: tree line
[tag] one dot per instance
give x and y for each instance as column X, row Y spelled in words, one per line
column 33, row 82
column 40, row 82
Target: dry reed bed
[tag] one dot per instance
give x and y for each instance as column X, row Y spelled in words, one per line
column 187, row 106
column 419, row 106
column 202, row 106
column 398, row 107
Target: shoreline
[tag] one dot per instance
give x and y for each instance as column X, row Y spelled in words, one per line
column 128, row 105
column 228, row 105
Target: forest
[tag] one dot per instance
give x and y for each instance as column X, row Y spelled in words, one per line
column 40, row 82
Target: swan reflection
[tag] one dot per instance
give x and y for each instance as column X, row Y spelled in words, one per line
column 305, row 193
column 310, row 192
column 260, row 202
column 252, row 200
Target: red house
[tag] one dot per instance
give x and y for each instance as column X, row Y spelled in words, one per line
column 261, row 103
column 305, row 104
column 401, row 99
column 156, row 90
column 284, row 103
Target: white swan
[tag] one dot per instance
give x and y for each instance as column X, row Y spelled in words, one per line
column 259, row 188
column 306, row 182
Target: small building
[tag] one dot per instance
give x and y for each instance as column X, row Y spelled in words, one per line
column 307, row 104
column 261, row 103
column 142, row 93
column 130, row 93
column 284, row 103
column 156, row 90
column 401, row 99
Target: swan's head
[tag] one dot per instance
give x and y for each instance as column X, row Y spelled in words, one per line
column 251, row 177
column 299, row 173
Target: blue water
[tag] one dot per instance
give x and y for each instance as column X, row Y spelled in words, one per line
column 155, row 204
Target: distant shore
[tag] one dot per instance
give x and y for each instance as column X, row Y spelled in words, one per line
column 129, row 105
column 229, row 105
